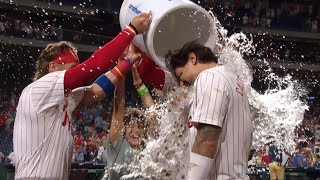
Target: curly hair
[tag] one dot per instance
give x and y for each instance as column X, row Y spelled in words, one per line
column 134, row 114
column 49, row 54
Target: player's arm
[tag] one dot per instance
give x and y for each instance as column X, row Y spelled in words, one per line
column 147, row 102
column 105, row 84
column 207, row 140
column 207, row 113
column 104, row 58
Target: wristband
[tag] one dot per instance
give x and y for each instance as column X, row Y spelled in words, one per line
column 200, row 167
column 134, row 28
column 142, row 90
column 121, row 69
column 128, row 59
column 131, row 30
column 104, row 82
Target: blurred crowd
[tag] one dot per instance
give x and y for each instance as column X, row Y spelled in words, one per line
column 27, row 29
column 307, row 150
column 283, row 15
column 287, row 51
column 52, row 32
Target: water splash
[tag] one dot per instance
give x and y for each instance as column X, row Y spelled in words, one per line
column 278, row 111
column 275, row 113
column 166, row 157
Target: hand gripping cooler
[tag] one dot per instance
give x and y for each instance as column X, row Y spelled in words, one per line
column 174, row 23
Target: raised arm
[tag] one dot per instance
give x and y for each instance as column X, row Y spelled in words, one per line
column 104, row 58
column 119, row 105
column 143, row 92
column 147, row 102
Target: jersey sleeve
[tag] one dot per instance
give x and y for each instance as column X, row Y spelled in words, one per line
column 210, row 100
column 74, row 98
column 48, row 92
column 155, row 76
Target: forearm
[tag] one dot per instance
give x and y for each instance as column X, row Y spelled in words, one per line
column 146, row 98
column 117, row 125
column 101, row 61
column 203, row 151
column 207, row 141
column 120, row 98
column 108, row 81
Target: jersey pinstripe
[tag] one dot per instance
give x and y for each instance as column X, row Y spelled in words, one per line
column 220, row 99
column 42, row 138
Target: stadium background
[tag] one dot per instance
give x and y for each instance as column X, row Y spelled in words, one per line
column 286, row 34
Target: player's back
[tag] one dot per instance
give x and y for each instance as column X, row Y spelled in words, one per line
column 42, row 140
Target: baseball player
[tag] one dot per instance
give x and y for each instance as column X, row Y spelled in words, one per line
column 222, row 131
column 43, row 141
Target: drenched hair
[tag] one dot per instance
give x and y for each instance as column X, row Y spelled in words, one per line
column 134, row 114
column 180, row 58
column 49, row 54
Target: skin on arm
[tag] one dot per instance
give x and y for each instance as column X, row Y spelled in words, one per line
column 147, row 102
column 119, row 105
column 146, row 99
column 207, row 140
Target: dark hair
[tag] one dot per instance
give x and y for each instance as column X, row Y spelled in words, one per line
column 134, row 114
column 180, row 59
column 49, row 54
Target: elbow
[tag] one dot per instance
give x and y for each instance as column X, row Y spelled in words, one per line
column 94, row 94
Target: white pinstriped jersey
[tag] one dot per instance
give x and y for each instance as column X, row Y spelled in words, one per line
column 42, row 138
column 220, row 99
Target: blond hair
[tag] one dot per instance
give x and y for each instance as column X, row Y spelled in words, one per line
column 49, row 54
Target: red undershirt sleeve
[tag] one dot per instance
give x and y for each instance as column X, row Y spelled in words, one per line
column 100, row 62
column 151, row 73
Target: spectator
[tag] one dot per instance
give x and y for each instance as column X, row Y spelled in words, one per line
column 80, row 153
column 44, row 34
column 245, row 19
column 263, row 22
column 37, row 32
column 2, row 158
column 314, row 25
column 101, row 154
column 265, row 157
column 298, row 159
column 268, row 23
column 256, row 21
column 317, row 153
column 2, row 27
column 60, row 34
column 27, row 29
column 258, row 158
column 10, row 158
column 310, row 159
column 98, row 122
column 275, row 167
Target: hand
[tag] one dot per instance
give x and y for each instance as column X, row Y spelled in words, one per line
column 134, row 53
column 142, row 21
column 135, row 74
